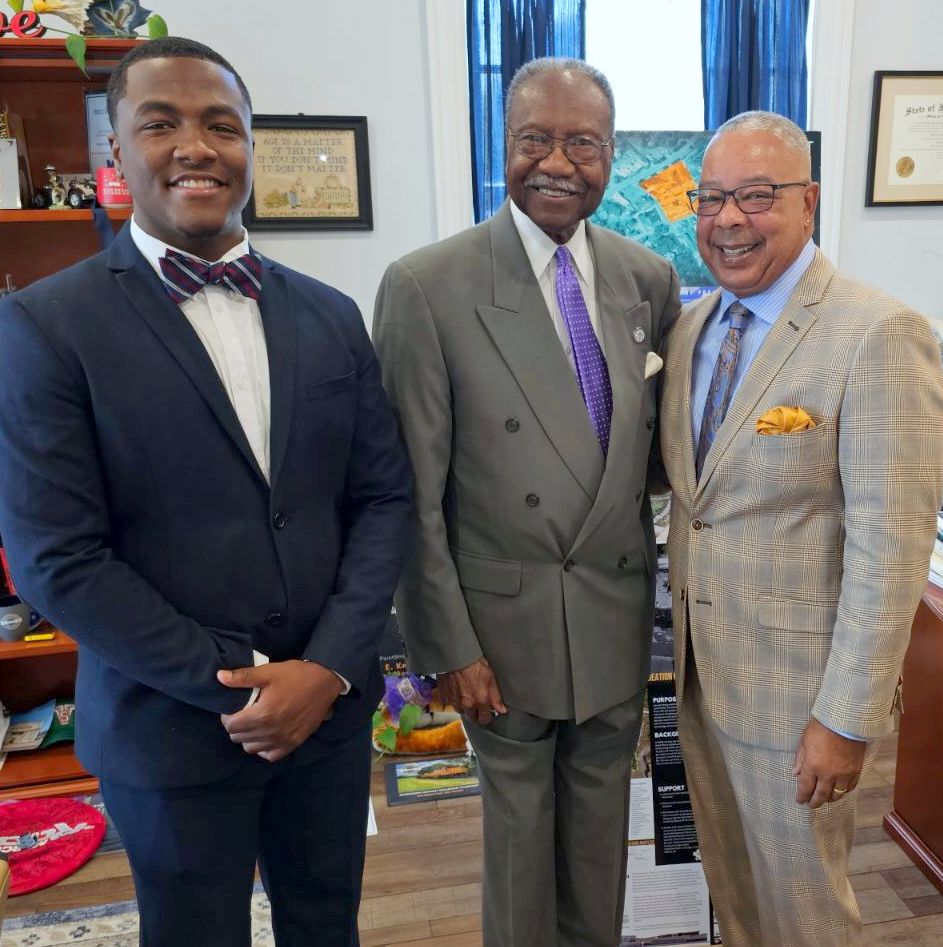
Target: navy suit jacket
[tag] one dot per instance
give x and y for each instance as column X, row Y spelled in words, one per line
column 136, row 518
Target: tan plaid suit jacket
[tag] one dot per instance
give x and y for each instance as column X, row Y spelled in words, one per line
column 797, row 562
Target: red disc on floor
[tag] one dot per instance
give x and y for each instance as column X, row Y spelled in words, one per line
column 47, row 839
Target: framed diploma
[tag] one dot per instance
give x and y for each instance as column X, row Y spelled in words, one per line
column 310, row 173
column 905, row 162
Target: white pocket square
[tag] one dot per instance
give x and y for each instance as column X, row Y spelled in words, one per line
column 653, row 364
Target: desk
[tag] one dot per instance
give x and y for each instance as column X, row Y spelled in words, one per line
column 916, row 821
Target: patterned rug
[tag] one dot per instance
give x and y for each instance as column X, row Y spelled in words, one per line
column 109, row 925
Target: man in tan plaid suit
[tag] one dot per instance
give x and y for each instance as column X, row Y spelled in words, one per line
column 798, row 556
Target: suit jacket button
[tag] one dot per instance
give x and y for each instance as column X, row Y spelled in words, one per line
column 512, row 425
column 274, row 619
column 638, row 495
column 650, row 423
column 569, row 565
column 697, row 526
column 623, row 563
column 279, row 520
column 532, row 499
column 684, row 593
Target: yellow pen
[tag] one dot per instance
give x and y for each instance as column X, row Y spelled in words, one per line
column 42, row 636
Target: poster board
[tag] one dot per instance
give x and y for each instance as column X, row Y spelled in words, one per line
column 666, row 896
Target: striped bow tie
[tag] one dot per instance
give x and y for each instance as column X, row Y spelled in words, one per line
column 185, row 276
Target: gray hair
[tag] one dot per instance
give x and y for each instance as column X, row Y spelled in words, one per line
column 555, row 65
column 787, row 131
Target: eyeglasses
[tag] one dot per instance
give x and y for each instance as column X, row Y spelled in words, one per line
column 580, row 149
column 751, row 198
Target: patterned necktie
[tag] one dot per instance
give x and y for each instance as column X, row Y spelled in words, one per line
column 185, row 276
column 591, row 370
column 718, row 395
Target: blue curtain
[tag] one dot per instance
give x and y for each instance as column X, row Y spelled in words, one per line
column 502, row 36
column 753, row 57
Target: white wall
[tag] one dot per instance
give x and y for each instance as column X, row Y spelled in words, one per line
column 357, row 57
column 898, row 249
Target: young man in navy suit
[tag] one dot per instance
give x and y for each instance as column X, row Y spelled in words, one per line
column 202, row 482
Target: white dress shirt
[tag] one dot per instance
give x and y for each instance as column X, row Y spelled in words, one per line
column 230, row 327
column 540, row 250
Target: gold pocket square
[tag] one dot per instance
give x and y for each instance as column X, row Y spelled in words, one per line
column 653, row 364
column 784, row 420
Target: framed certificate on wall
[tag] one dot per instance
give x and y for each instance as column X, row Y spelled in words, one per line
column 905, row 160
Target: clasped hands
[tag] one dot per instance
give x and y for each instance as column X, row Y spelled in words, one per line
column 827, row 765
column 295, row 697
column 473, row 690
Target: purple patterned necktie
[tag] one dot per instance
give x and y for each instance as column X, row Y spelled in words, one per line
column 721, row 387
column 591, row 370
column 184, row 276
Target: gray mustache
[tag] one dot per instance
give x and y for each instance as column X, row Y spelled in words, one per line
column 558, row 184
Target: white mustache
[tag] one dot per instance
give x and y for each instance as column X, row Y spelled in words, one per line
column 558, row 184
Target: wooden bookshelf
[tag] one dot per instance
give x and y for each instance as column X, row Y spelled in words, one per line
column 40, row 83
column 59, row 216
column 29, row 774
column 60, row 643
column 916, row 822
column 45, row 60
column 32, row 672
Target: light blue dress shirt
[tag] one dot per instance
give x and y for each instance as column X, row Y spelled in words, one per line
column 766, row 307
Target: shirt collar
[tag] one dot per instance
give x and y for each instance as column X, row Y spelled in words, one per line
column 153, row 249
column 540, row 248
column 769, row 304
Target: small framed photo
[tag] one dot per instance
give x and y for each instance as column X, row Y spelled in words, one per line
column 98, row 126
column 905, row 162
column 311, row 172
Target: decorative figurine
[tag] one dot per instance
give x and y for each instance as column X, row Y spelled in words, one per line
column 82, row 193
column 52, row 194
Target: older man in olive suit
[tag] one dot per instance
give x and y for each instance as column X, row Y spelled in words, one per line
column 521, row 357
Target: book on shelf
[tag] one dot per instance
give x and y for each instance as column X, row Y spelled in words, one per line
column 27, row 730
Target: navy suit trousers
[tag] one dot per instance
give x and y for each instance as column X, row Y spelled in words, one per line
column 193, row 850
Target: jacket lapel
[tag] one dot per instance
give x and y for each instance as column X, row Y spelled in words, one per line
column 787, row 332
column 693, row 325
column 146, row 296
column 522, row 331
column 282, row 345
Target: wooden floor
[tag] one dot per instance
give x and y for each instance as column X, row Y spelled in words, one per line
column 423, row 878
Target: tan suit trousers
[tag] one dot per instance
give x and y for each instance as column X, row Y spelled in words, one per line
column 777, row 870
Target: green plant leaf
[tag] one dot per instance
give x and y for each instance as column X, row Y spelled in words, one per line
column 387, row 738
column 15, row 5
column 408, row 717
column 156, row 26
column 75, row 46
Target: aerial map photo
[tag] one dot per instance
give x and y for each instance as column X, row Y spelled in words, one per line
column 646, row 198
